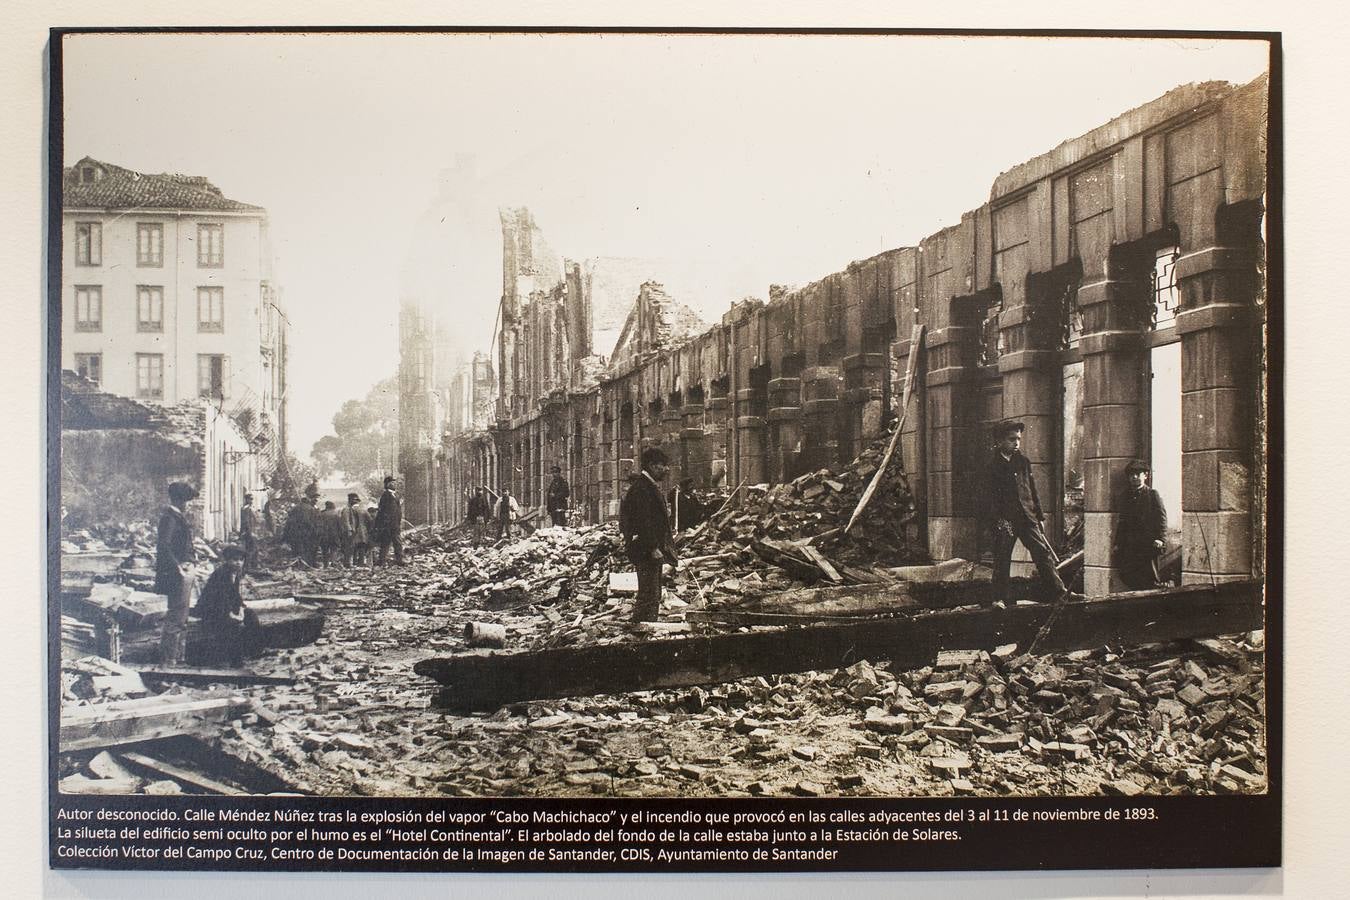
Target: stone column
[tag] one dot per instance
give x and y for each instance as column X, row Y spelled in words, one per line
column 1114, row 359
column 821, row 386
column 953, row 528
column 1218, row 401
column 785, row 421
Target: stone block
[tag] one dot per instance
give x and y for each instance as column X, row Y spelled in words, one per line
column 1215, row 481
column 950, row 537
column 1220, row 543
column 1099, row 535
column 1104, row 482
column 1098, row 581
column 1113, row 430
column 1113, row 379
column 1215, row 419
column 1215, row 358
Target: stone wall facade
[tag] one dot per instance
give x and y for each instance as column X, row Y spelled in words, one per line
column 1143, row 233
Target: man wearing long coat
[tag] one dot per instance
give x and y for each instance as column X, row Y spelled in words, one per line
column 1141, row 537
column 356, row 531
column 388, row 526
column 173, row 571
column 645, row 523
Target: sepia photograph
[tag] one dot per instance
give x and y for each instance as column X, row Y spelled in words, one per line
column 639, row 414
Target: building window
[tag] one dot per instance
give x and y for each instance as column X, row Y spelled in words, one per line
column 1166, row 294
column 149, row 308
column 210, row 375
column 88, row 175
column 88, row 244
column 90, row 366
column 149, row 244
column 211, row 246
column 211, row 309
column 150, row 376
column 88, row 307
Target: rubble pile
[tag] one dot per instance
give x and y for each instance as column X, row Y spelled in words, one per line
column 777, row 522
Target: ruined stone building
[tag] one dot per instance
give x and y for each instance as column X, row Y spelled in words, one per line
column 169, row 298
column 1110, row 295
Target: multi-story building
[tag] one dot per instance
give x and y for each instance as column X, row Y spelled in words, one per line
column 168, row 296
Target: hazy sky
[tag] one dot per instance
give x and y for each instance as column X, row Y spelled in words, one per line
column 775, row 158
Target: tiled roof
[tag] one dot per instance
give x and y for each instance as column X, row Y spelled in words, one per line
column 83, row 405
column 119, row 188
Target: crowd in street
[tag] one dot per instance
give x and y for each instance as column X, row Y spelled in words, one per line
column 649, row 518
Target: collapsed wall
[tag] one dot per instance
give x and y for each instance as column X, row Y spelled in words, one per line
column 1108, row 295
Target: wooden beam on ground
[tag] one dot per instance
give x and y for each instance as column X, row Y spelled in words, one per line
column 489, row 680
column 185, row 777
column 881, row 599
column 204, row 675
column 736, row 617
column 149, row 718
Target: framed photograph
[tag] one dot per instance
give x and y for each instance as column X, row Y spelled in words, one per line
column 614, row 449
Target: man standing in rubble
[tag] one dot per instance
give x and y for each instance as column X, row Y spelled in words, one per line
column 1142, row 535
column 479, row 513
column 388, row 526
column 248, row 524
column 174, row 579
column 356, row 531
column 1014, row 514
column 644, row 520
column 508, row 510
column 556, row 501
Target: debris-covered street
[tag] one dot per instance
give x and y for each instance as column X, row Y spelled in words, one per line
column 1185, row 716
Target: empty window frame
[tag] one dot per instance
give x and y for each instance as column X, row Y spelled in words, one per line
column 210, row 375
column 210, row 245
column 149, row 244
column 88, row 307
column 150, row 376
column 211, row 309
column 90, row 366
column 88, row 244
column 149, row 308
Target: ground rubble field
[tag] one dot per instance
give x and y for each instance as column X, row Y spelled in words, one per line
column 1186, row 717
column 1181, row 718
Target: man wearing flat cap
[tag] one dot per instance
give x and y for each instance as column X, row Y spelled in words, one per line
column 221, row 609
column 174, row 557
column 1141, row 536
column 1014, row 514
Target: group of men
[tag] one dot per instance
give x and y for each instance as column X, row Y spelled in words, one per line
column 1013, row 513
column 351, row 532
column 485, row 508
column 346, row 536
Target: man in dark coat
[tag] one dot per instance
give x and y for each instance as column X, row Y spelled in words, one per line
column 388, row 526
column 355, row 531
column 173, row 571
column 331, row 537
column 1142, row 535
column 248, row 526
column 556, row 500
column 221, row 610
column 1014, row 514
column 480, row 510
column 644, row 521
column 302, row 531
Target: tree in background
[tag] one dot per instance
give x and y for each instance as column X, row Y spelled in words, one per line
column 289, row 478
column 365, row 433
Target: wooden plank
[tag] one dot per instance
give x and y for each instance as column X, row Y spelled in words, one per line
column 487, row 681
column 743, row 617
column 183, row 776
column 825, row 566
column 148, row 718
column 882, row 599
column 204, row 675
